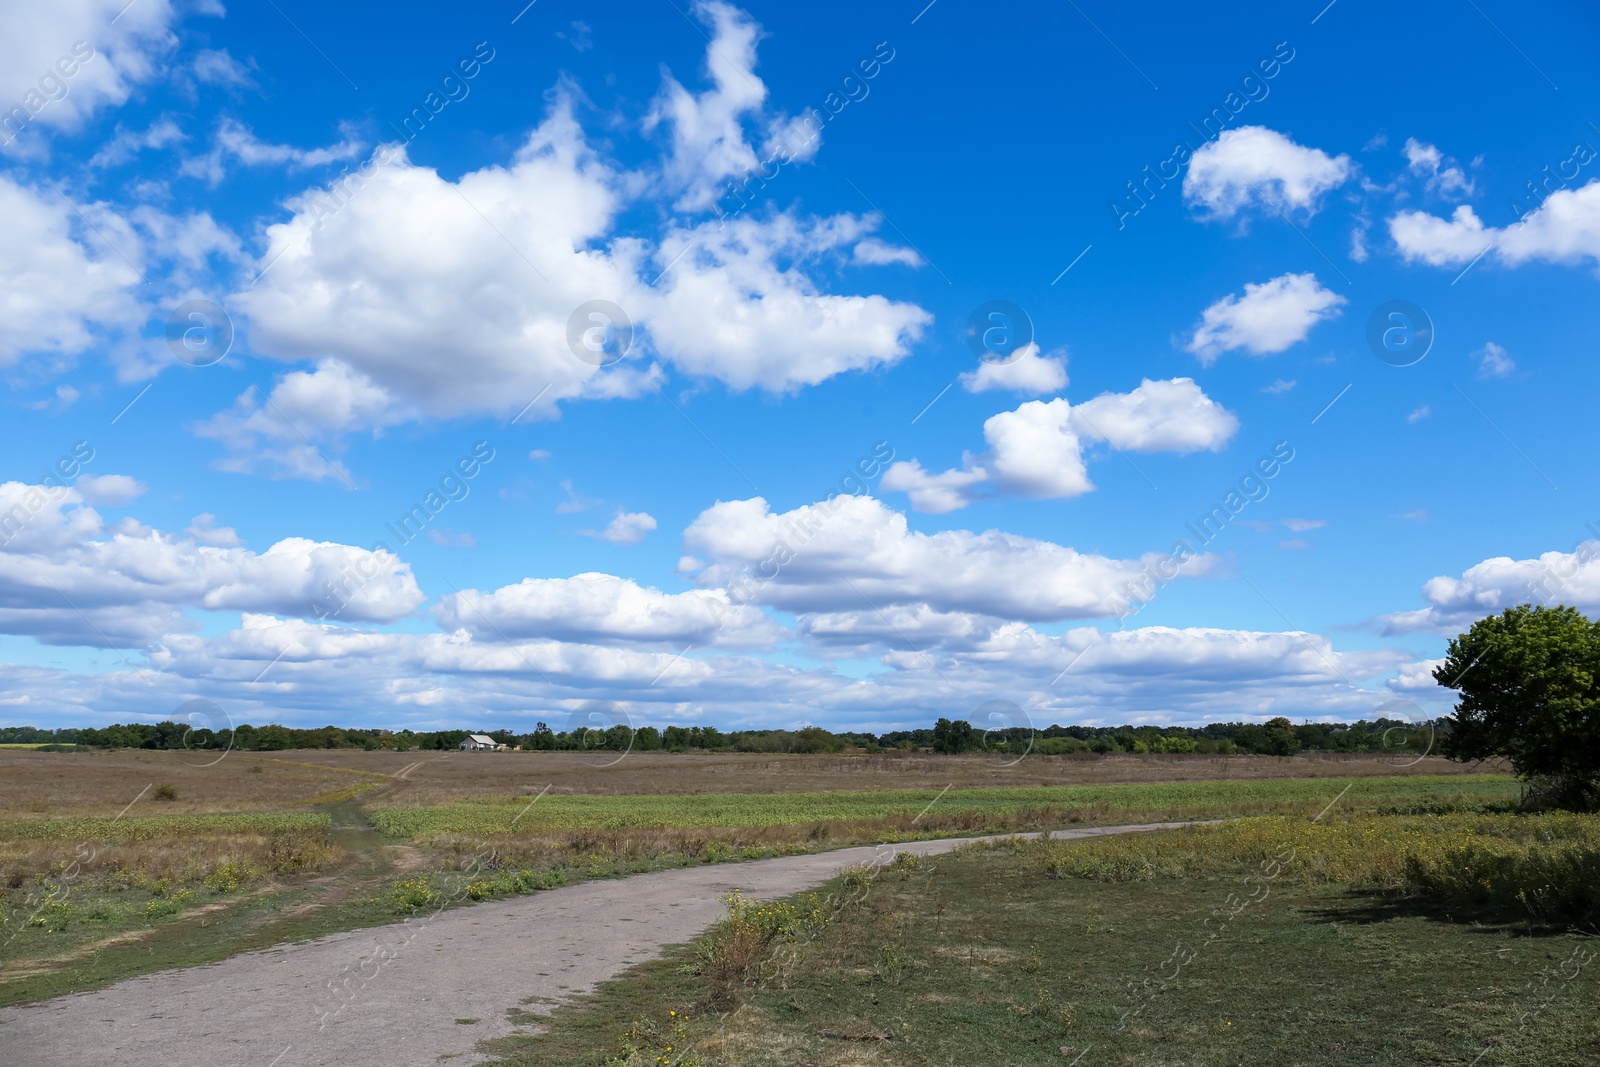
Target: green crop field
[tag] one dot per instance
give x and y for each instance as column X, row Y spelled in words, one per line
column 1173, row 801
column 159, row 827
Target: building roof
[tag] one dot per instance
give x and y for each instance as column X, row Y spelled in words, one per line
column 480, row 739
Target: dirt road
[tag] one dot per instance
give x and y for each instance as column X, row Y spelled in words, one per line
column 414, row 993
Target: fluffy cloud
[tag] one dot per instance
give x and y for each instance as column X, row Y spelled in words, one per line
column 1270, row 317
column 1036, row 451
column 123, row 42
column 917, row 627
column 1563, row 229
column 628, row 528
column 1416, row 677
column 66, row 578
column 204, row 529
column 1443, row 177
column 707, row 130
column 602, row 608
column 1155, row 674
column 281, row 432
column 855, row 554
column 455, row 298
column 1255, row 166
column 735, row 306
column 61, row 292
column 935, row 494
column 1165, row 416
column 708, row 141
column 1025, row 372
column 1033, row 452
column 1499, row 583
column 1440, row 242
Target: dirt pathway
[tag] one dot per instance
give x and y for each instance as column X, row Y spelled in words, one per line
column 397, row 995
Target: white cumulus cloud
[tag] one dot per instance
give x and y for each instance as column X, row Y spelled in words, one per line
column 1036, row 451
column 1563, row 229
column 628, row 528
column 857, row 554
column 1025, row 372
column 1255, row 166
column 1487, row 588
column 1270, row 317
column 605, row 609
column 67, row 578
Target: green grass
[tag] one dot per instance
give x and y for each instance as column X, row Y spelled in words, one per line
column 1113, row 803
column 983, row 957
column 157, row 827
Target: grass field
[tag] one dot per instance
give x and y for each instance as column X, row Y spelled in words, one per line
column 1123, row 803
column 1177, row 948
column 113, row 864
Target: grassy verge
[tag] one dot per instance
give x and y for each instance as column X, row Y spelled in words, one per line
column 1066, row 952
column 1121, row 803
column 614, row 834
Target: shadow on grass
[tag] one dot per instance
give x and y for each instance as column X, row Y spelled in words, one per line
column 1369, row 906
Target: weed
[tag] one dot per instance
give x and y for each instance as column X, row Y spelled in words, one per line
column 1545, row 865
column 413, row 894
column 230, row 876
column 646, row 1044
column 905, row 864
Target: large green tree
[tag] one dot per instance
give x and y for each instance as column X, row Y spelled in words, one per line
column 1528, row 684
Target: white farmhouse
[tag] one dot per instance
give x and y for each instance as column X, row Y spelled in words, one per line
column 480, row 741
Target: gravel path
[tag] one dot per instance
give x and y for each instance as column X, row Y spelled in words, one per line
column 391, row 996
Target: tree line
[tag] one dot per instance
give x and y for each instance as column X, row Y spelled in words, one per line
column 1277, row 737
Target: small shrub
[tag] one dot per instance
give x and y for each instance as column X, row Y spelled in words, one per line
column 161, row 907
column 230, row 876
column 732, row 958
column 165, row 791
column 54, row 911
column 412, row 895
column 646, row 1044
column 905, row 864
column 293, row 852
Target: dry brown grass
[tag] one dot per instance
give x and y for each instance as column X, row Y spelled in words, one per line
column 56, row 784
column 634, row 846
column 443, row 777
column 179, row 860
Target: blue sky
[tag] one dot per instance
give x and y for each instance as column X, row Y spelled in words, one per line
column 403, row 215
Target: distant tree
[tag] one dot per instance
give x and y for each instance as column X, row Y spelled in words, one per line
column 1528, row 684
column 272, row 738
column 952, row 737
column 816, row 739
column 1280, row 736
